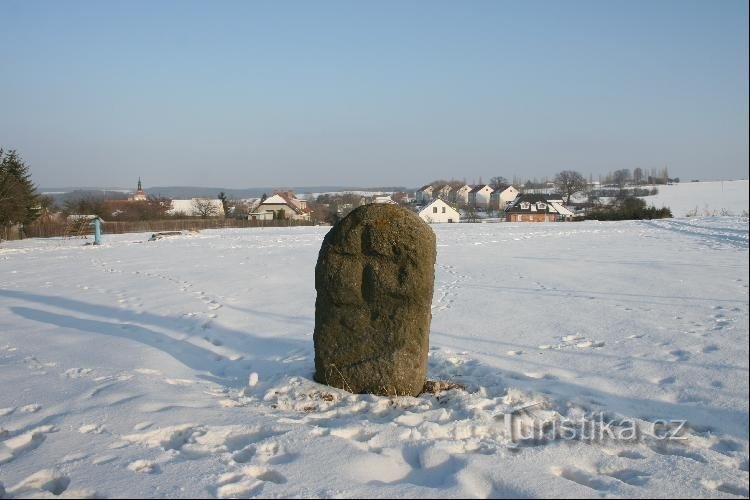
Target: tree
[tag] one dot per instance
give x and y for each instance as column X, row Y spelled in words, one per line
column 638, row 175
column 87, row 205
column 19, row 201
column 498, row 182
column 569, row 182
column 224, row 203
column 205, row 208
column 152, row 208
column 621, row 177
column 470, row 214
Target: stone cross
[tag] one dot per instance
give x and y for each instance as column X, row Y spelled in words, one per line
column 374, row 278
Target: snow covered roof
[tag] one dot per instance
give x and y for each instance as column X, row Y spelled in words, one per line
column 78, row 217
column 288, row 200
column 561, row 209
column 276, row 199
column 538, row 203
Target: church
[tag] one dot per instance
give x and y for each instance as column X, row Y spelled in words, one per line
column 139, row 194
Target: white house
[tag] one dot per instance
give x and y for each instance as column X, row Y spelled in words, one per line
column 196, row 207
column 479, row 196
column 499, row 199
column 384, row 200
column 282, row 202
column 424, row 194
column 461, row 195
column 439, row 211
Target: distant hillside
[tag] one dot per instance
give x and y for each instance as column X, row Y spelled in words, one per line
column 60, row 196
column 184, row 192
column 192, row 191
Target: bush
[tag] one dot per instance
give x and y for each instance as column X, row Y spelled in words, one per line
column 629, row 208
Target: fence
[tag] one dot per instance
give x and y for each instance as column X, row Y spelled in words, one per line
column 50, row 229
column 10, row 232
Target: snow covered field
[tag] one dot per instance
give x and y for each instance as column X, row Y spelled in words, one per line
column 182, row 367
column 703, row 198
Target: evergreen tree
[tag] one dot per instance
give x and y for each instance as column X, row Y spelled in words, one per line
column 224, row 203
column 19, row 201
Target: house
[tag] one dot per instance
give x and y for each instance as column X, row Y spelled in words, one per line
column 500, row 198
column 282, row 205
column 197, row 207
column 439, row 211
column 401, row 197
column 461, row 195
column 424, row 194
column 537, row 208
column 384, row 200
column 479, row 196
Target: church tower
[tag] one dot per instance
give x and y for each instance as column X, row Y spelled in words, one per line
column 139, row 195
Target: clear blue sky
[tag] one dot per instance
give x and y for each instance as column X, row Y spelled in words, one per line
column 251, row 93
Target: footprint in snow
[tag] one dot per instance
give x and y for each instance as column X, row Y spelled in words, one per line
column 726, row 487
column 247, row 482
column 679, row 355
column 144, row 466
column 44, row 482
column 28, row 441
column 630, row 476
column 582, row 477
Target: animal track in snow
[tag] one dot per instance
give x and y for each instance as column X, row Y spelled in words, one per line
column 446, row 289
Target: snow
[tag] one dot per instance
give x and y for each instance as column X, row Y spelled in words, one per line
column 182, row 367
column 703, row 198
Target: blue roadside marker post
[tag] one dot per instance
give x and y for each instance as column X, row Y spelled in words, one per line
column 97, row 231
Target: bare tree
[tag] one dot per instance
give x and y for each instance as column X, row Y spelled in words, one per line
column 621, row 177
column 569, row 182
column 638, row 175
column 205, row 208
column 499, row 182
column 470, row 214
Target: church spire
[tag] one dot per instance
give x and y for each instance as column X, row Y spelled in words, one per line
column 140, row 188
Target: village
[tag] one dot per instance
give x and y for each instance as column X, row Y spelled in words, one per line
column 567, row 199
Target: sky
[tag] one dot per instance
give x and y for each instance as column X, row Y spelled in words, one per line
column 364, row 93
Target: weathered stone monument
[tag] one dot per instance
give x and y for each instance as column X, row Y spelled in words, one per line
column 374, row 278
